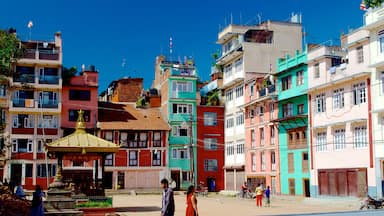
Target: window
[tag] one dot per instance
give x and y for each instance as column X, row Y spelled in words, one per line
column 272, row 134
column 133, row 160
column 229, row 95
column 253, row 138
column 287, row 110
column 382, row 82
column 77, row 163
column 240, row 119
column 210, row 143
column 42, row 170
column 41, row 144
column 300, row 109
column 338, row 98
column 108, row 160
column 229, row 123
column 381, row 41
column 143, row 140
column 157, row 139
column 210, row 165
column 182, row 108
column 360, row 136
column 339, row 139
column 359, row 95
column 273, row 161
column 23, row 121
column 299, row 78
column 262, row 158
column 320, row 103
column 239, row 65
column 74, row 114
column 22, row 145
column 210, row 119
column 251, row 89
column 48, row 99
column 3, row 116
column 180, row 153
column 239, row 91
column 240, row 148
column 253, row 162
column 305, row 162
column 360, row 54
column 180, row 130
column 83, row 95
column 3, row 90
column 28, row 170
column 261, row 132
column 123, row 139
column 230, row 149
column 228, row 70
column 317, row 71
column 321, row 141
column 182, row 86
column 185, row 176
column 271, row 110
column 291, row 163
column 47, row 121
column 286, row 83
column 156, row 158
column 108, row 135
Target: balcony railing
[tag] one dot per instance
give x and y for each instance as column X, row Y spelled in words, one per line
column 22, row 102
column 24, row 78
column 48, row 55
column 49, row 80
column 30, row 54
column 49, row 104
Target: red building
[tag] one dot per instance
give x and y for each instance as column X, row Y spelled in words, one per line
column 142, row 134
column 210, row 151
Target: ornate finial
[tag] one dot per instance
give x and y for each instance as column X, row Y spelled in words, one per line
column 80, row 124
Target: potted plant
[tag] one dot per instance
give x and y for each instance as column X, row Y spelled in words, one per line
column 96, row 208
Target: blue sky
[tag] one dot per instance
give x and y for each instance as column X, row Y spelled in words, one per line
column 104, row 33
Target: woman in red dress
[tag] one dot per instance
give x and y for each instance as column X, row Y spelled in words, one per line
column 191, row 202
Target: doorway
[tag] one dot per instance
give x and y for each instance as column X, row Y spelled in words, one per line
column 16, row 173
column 121, row 180
column 306, row 188
column 211, row 183
column 175, row 176
column 108, row 180
column 291, row 185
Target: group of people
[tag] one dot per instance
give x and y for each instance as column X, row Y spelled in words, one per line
column 168, row 201
column 260, row 192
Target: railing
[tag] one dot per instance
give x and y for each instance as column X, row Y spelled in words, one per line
column 48, row 55
column 25, row 78
column 21, row 102
column 49, row 79
column 30, row 54
column 262, row 92
column 271, row 88
column 49, row 104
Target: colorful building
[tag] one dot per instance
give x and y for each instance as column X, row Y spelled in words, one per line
column 34, row 108
column 292, row 86
column 210, row 137
column 124, row 90
column 374, row 23
column 246, row 52
column 142, row 134
column 80, row 92
column 176, row 84
column 342, row 159
column 261, row 140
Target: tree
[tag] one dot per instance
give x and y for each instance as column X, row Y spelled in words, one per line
column 11, row 49
column 67, row 74
column 373, row 3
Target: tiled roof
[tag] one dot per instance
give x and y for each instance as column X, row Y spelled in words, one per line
column 128, row 117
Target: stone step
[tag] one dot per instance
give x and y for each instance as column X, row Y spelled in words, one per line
column 64, row 212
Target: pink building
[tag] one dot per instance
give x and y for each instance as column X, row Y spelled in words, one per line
column 261, row 140
column 80, row 93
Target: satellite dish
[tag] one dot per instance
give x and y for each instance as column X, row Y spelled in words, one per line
column 45, row 44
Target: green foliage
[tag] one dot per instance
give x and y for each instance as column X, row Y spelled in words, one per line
column 11, row 49
column 373, row 3
column 67, row 74
column 213, row 99
column 95, row 204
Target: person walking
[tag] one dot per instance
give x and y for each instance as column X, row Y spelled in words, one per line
column 268, row 196
column 191, row 202
column 20, row 191
column 259, row 195
column 168, row 202
column 37, row 208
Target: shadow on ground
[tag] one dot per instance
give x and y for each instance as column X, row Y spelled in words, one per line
column 138, row 209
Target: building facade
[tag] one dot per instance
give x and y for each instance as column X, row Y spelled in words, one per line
column 210, row 137
column 248, row 50
column 142, row 135
column 340, row 115
column 176, row 84
column 261, row 140
column 34, row 107
column 292, row 85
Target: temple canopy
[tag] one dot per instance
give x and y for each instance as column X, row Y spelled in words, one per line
column 82, row 142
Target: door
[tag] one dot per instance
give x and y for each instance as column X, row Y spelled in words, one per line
column 352, row 183
column 121, row 180
column 273, row 185
column 108, row 180
column 342, row 187
column 291, row 183
column 306, row 188
column 211, row 183
column 16, row 173
column 175, row 176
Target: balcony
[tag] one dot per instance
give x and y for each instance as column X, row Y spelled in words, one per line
column 48, row 55
column 51, row 80
column 179, row 140
column 53, row 104
column 24, row 78
column 23, row 102
column 184, row 95
column 182, row 117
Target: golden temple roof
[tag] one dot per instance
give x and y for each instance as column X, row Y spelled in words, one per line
column 81, row 141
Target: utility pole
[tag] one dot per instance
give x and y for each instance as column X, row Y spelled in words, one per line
column 191, row 155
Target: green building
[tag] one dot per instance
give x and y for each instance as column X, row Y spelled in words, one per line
column 176, row 83
column 292, row 85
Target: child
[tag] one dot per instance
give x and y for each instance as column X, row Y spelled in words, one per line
column 268, row 195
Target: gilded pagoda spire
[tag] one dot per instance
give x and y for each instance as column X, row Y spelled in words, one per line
column 80, row 123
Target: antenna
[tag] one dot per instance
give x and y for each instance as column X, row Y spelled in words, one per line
column 241, row 19
column 170, row 47
column 231, row 19
column 259, row 16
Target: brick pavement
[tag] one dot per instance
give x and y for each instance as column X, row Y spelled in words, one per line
column 221, row 205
